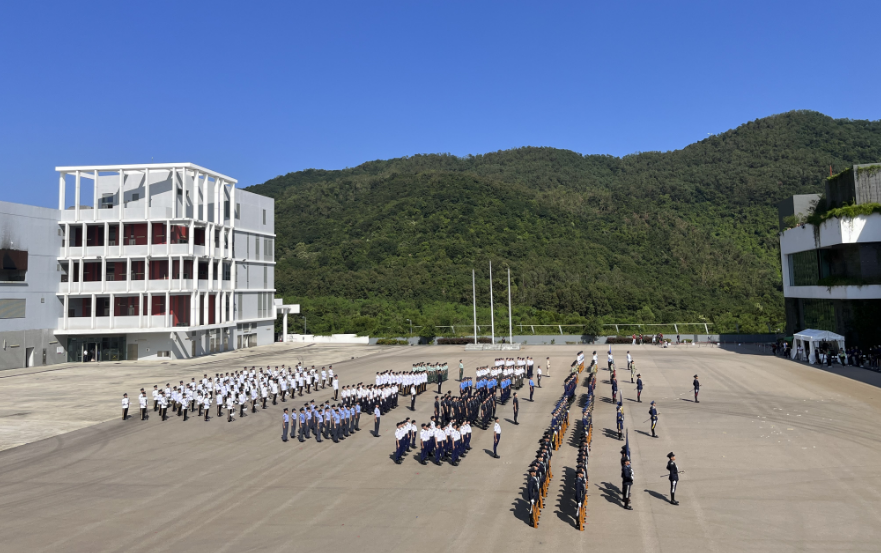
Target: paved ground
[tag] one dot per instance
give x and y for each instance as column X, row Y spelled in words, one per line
column 777, row 457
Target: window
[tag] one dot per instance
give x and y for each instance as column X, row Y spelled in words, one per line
column 226, row 209
column 227, row 271
column 265, row 277
column 12, row 309
column 163, row 354
column 238, row 210
column 268, row 253
column 256, row 247
column 264, row 216
column 803, row 268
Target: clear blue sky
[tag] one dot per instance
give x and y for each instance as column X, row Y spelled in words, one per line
column 259, row 89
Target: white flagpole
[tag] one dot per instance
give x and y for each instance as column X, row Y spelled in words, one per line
column 474, row 291
column 510, row 316
column 492, row 318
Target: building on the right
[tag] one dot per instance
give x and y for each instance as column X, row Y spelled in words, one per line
column 831, row 260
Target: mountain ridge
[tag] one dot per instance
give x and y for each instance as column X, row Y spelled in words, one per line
column 651, row 236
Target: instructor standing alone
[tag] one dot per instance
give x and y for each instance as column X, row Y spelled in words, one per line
column 376, row 415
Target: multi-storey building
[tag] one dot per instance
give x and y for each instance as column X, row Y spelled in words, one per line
column 174, row 261
column 832, row 272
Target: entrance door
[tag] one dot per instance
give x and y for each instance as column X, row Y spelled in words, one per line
column 132, row 353
column 29, row 357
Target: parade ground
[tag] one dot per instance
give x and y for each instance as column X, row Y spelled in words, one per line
column 777, row 456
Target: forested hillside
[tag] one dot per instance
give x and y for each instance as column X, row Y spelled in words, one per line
column 686, row 235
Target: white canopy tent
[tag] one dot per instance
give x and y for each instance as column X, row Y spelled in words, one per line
column 807, row 340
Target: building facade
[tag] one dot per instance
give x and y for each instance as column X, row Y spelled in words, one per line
column 168, row 261
column 29, row 308
column 832, row 273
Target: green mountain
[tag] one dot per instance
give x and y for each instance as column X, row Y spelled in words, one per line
column 681, row 236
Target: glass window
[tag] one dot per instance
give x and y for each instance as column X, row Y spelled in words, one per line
column 803, row 268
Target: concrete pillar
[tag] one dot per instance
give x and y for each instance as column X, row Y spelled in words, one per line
column 61, row 191
column 66, row 307
column 284, row 326
column 112, row 310
column 141, row 310
column 191, row 238
column 103, row 274
column 94, row 305
column 168, row 322
column 128, row 275
column 95, row 198
column 204, row 320
column 232, row 206
column 170, row 272
column 147, row 198
column 76, row 204
column 148, row 312
column 106, row 239
column 82, row 268
column 121, row 196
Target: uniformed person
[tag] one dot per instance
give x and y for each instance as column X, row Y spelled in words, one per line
column 674, row 476
column 124, row 406
column 653, row 416
column 626, row 483
column 497, row 435
column 516, row 403
column 285, row 422
column 619, row 420
column 461, row 370
column 531, row 389
column 614, row 389
column 697, row 388
column 639, row 388
column 142, row 403
column 376, row 415
column 155, row 398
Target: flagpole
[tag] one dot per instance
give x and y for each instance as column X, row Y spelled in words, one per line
column 492, row 318
column 474, row 291
column 510, row 317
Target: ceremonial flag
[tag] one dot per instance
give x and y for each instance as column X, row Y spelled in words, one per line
column 627, row 443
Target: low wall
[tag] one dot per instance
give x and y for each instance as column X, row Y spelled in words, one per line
column 332, row 339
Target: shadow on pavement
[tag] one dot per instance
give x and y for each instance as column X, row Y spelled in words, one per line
column 610, row 493
column 657, row 495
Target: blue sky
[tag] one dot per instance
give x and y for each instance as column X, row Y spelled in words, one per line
column 258, row 89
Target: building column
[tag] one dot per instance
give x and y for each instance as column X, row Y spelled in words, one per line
column 66, row 308
column 168, row 322
column 94, row 305
column 232, row 206
column 170, row 272
column 61, row 191
column 149, row 238
column 284, row 326
column 205, row 309
column 112, row 310
column 180, row 273
column 82, row 276
column 147, row 199
column 95, row 198
column 140, row 310
column 103, row 274
column 106, row 239
column 128, row 275
column 191, row 239
column 174, row 193
column 193, row 320
column 149, row 310
column 121, row 199
column 76, row 204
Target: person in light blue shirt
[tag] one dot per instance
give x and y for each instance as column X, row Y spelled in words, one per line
column 308, row 423
column 336, row 426
column 531, row 389
column 376, row 415
column 302, row 424
column 319, row 425
column 357, row 417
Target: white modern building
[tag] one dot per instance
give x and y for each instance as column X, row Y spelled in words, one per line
column 832, row 273
column 156, row 260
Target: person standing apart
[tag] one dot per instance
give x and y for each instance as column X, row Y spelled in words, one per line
column 548, row 363
column 142, row 403
column 653, row 416
column 497, row 435
column 124, row 406
column 336, row 388
column 697, row 388
column 538, row 371
column 461, row 370
column 285, row 421
column 626, row 483
column 639, row 388
column 674, row 476
column 516, row 403
column 412, row 397
column 531, row 389
column 376, row 415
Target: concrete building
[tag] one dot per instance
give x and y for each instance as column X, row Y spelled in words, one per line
column 30, row 240
column 832, row 273
column 168, row 261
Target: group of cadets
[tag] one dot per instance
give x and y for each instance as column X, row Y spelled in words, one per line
column 581, row 478
column 627, row 471
column 235, row 392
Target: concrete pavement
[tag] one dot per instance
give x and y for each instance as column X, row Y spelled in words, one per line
column 778, row 457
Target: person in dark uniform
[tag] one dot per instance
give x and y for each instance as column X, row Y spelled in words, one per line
column 697, row 388
column 516, row 403
column 285, row 422
column 674, row 476
column 620, row 422
column 437, row 408
column 580, row 490
column 532, row 489
column 614, row 389
column 626, row 483
column 639, row 388
column 653, row 416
